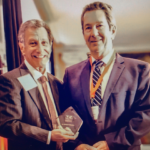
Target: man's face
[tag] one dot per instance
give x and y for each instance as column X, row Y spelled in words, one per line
column 97, row 34
column 36, row 49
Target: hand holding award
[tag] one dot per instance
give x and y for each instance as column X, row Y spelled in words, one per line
column 70, row 120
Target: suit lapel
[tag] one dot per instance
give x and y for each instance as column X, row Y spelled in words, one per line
column 85, row 86
column 36, row 97
column 55, row 92
column 114, row 77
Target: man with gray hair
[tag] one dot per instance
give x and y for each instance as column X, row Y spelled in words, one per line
column 29, row 95
column 109, row 92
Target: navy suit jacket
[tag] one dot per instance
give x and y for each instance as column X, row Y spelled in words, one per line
column 23, row 116
column 124, row 116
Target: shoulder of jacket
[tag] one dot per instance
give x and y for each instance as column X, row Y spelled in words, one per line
column 78, row 65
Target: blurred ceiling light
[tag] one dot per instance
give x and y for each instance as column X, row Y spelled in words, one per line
column 48, row 15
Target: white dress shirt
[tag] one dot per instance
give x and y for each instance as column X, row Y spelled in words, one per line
column 36, row 74
column 107, row 75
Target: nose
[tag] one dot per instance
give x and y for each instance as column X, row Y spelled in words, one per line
column 94, row 31
column 40, row 48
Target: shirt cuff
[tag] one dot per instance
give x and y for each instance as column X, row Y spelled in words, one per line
column 48, row 138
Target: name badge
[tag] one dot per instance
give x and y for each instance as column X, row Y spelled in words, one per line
column 27, row 82
column 95, row 111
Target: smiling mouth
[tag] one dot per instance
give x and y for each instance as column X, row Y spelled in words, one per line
column 95, row 41
column 39, row 56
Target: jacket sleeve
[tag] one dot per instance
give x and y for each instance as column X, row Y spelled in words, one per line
column 65, row 103
column 11, row 114
column 139, row 122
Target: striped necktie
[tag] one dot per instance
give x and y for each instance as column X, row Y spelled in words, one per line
column 97, row 100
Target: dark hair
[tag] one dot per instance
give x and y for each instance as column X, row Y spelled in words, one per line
column 100, row 6
column 33, row 24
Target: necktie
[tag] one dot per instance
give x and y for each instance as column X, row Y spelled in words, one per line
column 97, row 100
column 51, row 108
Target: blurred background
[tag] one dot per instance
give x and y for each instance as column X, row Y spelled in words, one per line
column 133, row 29
column 63, row 17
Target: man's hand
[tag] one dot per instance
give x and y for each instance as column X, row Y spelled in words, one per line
column 101, row 145
column 85, row 147
column 63, row 135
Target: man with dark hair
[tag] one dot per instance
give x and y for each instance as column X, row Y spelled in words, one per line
column 29, row 95
column 109, row 92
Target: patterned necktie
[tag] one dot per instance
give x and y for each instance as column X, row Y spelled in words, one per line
column 97, row 100
column 51, row 108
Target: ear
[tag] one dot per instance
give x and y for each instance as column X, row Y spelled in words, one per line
column 21, row 45
column 113, row 31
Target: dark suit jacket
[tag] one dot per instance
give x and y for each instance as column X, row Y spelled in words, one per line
column 23, row 116
column 124, row 116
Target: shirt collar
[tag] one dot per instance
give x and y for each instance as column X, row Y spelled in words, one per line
column 36, row 74
column 106, row 58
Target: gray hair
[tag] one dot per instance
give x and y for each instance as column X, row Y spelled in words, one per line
column 33, row 24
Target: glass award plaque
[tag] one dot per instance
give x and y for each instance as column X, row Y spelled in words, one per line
column 69, row 118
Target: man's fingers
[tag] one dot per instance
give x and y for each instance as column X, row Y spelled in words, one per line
column 62, row 135
column 69, row 132
column 72, row 137
column 103, row 146
column 97, row 144
column 85, row 147
column 67, row 137
column 91, row 148
column 60, row 127
column 64, row 141
column 67, row 129
column 76, row 135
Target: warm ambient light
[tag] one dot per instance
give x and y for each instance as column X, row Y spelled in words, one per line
column 3, row 144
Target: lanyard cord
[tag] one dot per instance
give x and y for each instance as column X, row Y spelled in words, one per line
column 94, row 89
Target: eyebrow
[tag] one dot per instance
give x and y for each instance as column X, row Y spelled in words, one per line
column 87, row 25
column 44, row 39
column 90, row 24
column 31, row 40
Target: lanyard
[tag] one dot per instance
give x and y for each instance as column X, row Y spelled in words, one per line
column 94, row 89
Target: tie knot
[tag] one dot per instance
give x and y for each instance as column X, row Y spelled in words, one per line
column 98, row 63
column 42, row 79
